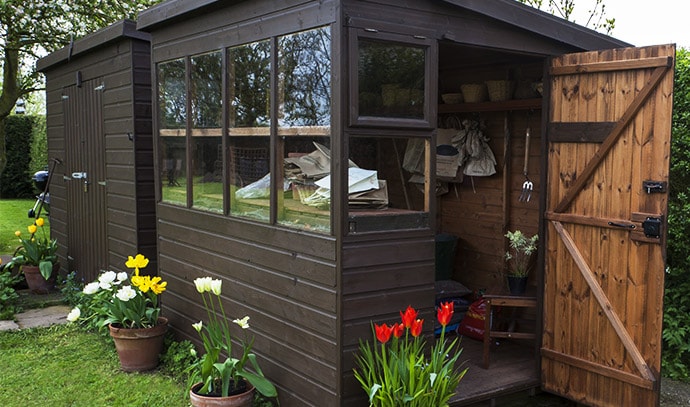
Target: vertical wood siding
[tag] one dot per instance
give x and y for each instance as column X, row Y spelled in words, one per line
column 120, row 62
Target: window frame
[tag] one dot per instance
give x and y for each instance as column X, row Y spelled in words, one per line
column 430, row 79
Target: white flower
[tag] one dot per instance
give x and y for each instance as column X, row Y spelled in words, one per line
column 74, row 314
column 244, row 322
column 91, row 288
column 126, row 293
column 105, row 286
column 122, row 276
column 215, row 286
column 203, row 284
column 107, row 277
column 198, row 326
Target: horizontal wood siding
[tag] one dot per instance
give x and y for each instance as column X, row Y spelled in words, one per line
column 381, row 275
column 284, row 280
column 122, row 64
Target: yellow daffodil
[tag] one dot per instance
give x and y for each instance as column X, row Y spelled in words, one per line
column 39, row 222
column 156, row 286
column 32, row 229
column 137, row 262
column 18, row 233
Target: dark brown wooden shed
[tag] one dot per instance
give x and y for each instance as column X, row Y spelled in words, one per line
column 296, row 159
column 98, row 100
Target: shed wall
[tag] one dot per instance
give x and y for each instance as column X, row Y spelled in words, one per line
column 123, row 67
column 284, row 280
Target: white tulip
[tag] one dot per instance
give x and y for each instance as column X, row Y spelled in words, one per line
column 126, row 293
column 91, row 288
column 74, row 314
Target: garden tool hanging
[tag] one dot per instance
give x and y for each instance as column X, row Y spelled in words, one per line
column 528, row 185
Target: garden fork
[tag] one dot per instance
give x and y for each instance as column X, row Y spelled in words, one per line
column 527, row 186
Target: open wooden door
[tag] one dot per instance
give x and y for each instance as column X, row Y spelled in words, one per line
column 608, row 140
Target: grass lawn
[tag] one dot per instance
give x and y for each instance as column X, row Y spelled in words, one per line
column 13, row 217
column 66, row 366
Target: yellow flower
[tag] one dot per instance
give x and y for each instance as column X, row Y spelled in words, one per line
column 157, row 287
column 143, row 282
column 32, row 229
column 18, row 233
column 39, row 222
column 138, row 262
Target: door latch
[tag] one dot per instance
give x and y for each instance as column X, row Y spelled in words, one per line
column 654, row 186
column 652, row 227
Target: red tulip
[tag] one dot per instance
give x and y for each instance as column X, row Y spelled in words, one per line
column 416, row 327
column 383, row 332
column 445, row 312
column 408, row 317
column 398, row 330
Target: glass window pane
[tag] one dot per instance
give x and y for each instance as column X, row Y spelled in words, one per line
column 304, row 108
column 249, row 72
column 207, row 158
column 172, row 98
column 391, row 79
column 387, row 189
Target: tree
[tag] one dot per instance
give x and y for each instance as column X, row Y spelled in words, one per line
column 30, row 28
column 596, row 17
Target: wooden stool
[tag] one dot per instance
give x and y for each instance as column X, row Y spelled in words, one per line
column 504, row 301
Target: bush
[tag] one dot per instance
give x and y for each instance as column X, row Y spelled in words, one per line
column 15, row 180
column 8, row 295
column 676, row 335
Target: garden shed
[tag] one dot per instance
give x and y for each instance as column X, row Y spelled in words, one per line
column 307, row 153
column 98, row 100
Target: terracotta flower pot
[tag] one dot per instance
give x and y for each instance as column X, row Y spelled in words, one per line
column 245, row 399
column 35, row 281
column 139, row 349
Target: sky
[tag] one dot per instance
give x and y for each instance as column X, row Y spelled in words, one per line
column 645, row 22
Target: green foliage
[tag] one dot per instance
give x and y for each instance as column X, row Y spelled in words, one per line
column 8, row 295
column 66, row 366
column 39, row 145
column 676, row 334
column 177, row 358
column 13, row 217
column 15, row 180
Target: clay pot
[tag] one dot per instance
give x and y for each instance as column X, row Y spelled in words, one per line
column 35, row 281
column 139, row 349
column 245, row 399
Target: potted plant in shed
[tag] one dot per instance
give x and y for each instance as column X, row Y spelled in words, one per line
column 218, row 382
column 128, row 306
column 519, row 257
column 37, row 258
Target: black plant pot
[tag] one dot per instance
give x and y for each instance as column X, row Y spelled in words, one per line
column 517, row 285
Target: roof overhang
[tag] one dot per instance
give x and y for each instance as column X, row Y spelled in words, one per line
column 115, row 32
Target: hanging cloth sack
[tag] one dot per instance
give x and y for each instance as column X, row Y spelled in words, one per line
column 481, row 161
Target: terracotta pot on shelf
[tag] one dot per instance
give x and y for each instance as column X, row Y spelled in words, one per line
column 139, row 349
column 35, row 281
column 245, row 399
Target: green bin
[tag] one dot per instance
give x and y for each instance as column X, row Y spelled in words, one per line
column 446, row 246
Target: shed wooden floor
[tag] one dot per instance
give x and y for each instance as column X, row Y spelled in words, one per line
column 513, row 368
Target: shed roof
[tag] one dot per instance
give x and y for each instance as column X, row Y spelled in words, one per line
column 507, row 11
column 121, row 29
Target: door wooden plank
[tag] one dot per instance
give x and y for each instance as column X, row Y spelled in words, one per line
column 610, row 140
column 606, row 307
column 597, row 368
column 594, row 67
